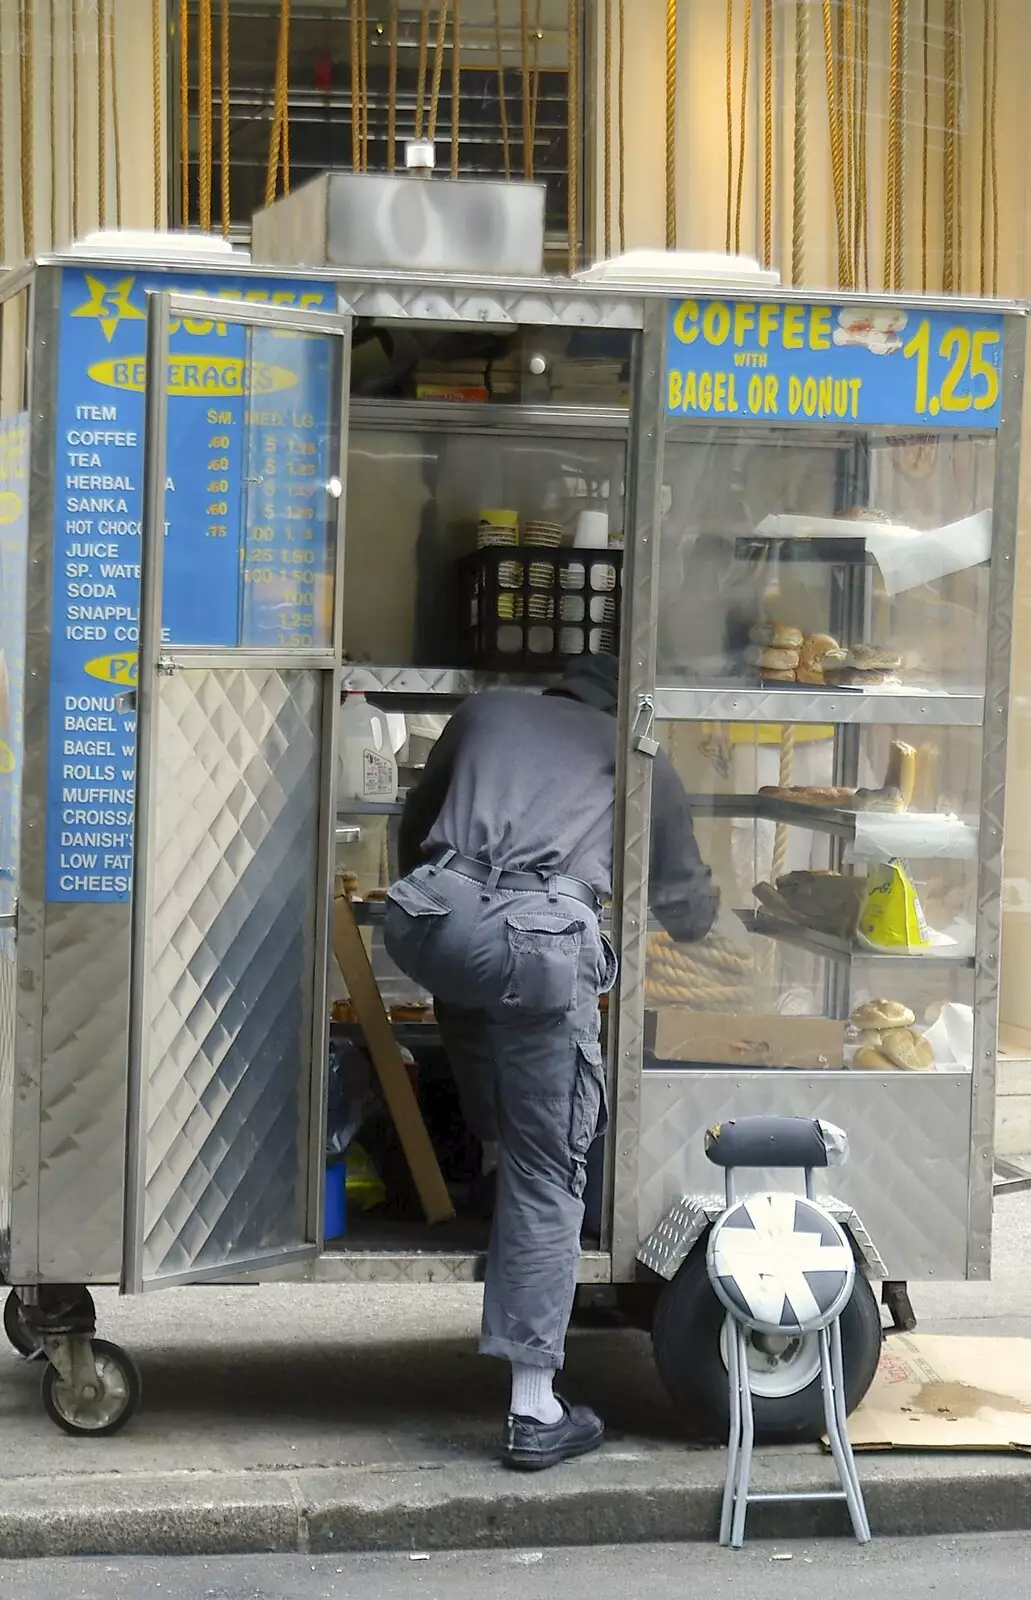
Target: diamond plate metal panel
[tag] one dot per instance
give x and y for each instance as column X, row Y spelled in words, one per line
column 907, row 1171
column 868, row 706
column 676, row 1235
column 235, row 856
column 424, row 1267
column 537, row 304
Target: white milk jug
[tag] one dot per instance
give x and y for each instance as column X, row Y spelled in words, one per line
column 366, row 764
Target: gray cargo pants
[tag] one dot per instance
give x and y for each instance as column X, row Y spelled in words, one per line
column 516, row 978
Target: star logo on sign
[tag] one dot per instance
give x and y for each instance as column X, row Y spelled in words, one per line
column 109, row 304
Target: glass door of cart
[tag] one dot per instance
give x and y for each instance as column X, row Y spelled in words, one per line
column 240, row 637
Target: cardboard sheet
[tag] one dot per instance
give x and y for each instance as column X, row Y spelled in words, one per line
column 947, row 1392
column 727, row 1039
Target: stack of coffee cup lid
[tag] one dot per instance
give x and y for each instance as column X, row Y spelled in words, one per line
column 501, row 528
column 547, row 536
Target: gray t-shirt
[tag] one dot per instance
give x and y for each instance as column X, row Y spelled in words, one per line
column 527, row 782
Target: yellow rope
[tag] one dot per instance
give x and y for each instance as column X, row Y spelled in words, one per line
column 102, row 112
column 768, row 133
column 424, row 45
column 949, row 153
column 456, row 87
column 845, row 54
column 985, row 113
column 224, row 151
column 114, row 115
column 573, row 193
column 836, row 139
column 729, row 89
column 993, row 135
column 505, row 150
column 392, row 92
column 960, row 76
column 801, row 140
column 53, row 122
column 743, row 129
column 156, row 49
column 780, row 837
column 3, row 175
column 901, row 162
column 363, row 79
column 607, row 134
column 671, row 124
column 26, row 64
column 890, row 182
column 284, row 72
column 524, row 74
column 75, row 119
column 204, row 114
column 925, row 161
column 356, row 98
column 536, row 91
column 864, row 101
column 438, row 69
column 184, row 117
column 621, row 131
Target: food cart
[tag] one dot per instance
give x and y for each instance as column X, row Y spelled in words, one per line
column 817, row 501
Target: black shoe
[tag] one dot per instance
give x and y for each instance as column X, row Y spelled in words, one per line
column 530, row 1446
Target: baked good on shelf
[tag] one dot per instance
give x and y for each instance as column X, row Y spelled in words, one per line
column 869, row 1039
column 853, row 678
column 882, row 1014
column 907, row 1050
column 873, row 658
column 896, row 792
column 825, row 902
column 872, row 1060
column 863, row 514
column 771, row 675
column 343, row 1011
column 779, row 634
column 780, row 658
column 409, row 1012
column 809, row 794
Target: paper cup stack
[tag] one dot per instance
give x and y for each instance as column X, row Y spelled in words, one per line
column 545, row 536
column 502, row 528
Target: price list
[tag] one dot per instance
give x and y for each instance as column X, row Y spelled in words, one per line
column 287, row 548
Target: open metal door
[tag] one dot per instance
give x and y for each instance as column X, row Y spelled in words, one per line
column 238, row 682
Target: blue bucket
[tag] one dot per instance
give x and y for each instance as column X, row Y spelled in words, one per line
column 336, row 1200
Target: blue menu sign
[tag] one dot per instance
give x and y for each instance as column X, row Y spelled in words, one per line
column 14, row 527
column 215, row 374
column 862, row 364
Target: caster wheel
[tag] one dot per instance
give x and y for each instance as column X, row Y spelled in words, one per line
column 18, row 1335
column 105, row 1412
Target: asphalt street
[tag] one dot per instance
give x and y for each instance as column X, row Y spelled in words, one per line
column 947, row 1569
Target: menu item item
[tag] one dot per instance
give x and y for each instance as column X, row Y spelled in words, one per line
column 808, row 795
column 907, row 1050
column 779, row 634
column 882, row 1014
column 773, row 658
column 343, row 1011
column 825, row 902
column 872, row 1060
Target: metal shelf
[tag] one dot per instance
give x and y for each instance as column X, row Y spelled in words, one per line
column 371, row 808
column 832, row 948
column 412, row 685
column 961, row 836
column 514, row 418
column 802, row 704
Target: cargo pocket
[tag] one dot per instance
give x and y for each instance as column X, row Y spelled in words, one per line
column 543, row 963
column 413, row 913
column 589, row 1118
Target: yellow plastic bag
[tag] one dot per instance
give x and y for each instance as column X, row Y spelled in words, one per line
column 893, row 918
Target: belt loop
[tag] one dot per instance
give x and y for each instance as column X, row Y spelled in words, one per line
column 449, row 855
column 490, row 887
column 553, row 888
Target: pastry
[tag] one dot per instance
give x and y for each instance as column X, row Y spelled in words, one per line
column 780, row 658
column 873, row 1060
column 808, row 795
column 907, row 1050
column 343, row 1011
column 872, row 658
column 882, row 1014
column 815, row 648
column 410, row 1012
column 779, row 634
column 812, row 675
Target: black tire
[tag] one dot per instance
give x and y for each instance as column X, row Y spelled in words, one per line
column 121, row 1386
column 18, row 1335
column 686, row 1340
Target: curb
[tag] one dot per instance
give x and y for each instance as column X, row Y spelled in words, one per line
column 613, row 1500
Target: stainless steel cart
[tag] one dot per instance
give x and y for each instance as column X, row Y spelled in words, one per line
column 163, row 1063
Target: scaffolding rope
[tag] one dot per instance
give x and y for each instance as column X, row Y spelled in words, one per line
column 949, row 153
column 524, row 79
column 671, row 124
column 53, row 123
column 26, row 66
column 743, row 129
column 456, row 86
column 363, row 79
column 768, row 133
column 607, row 135
column 204, row 114
column 535, row 95
column 573, row 193
column 729, row 89
column 798, row 206
column 502, row 105
column 836, row 133
column 424, row 47
column 356, row 99
column 156, row 54
column 392, row 90
column 184, row 115
column 116, row 131
column 621, row 129
column 224, row 129
column 102, row 112
column 438, row 68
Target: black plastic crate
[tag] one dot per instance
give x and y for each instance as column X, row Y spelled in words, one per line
column 528, row 608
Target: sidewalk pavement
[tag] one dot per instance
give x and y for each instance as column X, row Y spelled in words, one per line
column 319, row 1418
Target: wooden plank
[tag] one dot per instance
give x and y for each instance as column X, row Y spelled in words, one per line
column 356, row 969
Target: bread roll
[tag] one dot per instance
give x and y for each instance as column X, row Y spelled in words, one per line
column 779, row 634
column 872, row 1060
column 852, row 678
column 869, row 1039
column 872, row 658
column 771, row 675
column 814, row 647
column 882, row 1014
column 780, row 659
column 907, row 1050
column 809, row 795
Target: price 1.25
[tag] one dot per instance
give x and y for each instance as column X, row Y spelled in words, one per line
column 970, row 381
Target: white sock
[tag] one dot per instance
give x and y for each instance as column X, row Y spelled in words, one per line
column 532, row 1394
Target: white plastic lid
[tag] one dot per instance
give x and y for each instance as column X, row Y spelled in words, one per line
column 682, row 267
column 134, row 242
